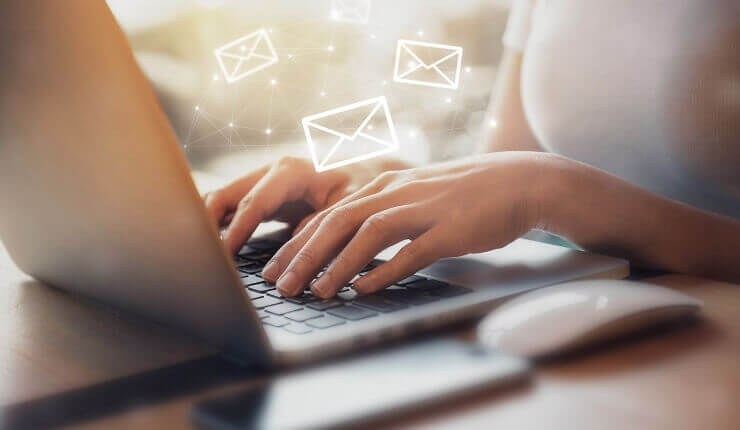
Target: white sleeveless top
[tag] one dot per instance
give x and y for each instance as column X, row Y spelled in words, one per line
column 648, row 90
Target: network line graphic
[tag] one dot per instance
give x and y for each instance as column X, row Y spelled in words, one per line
column 298, row 73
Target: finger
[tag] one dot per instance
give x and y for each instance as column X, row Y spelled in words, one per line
column 273, row 189
column 333, row 232
column 221, row 203
column 369, row 189
column 280, row 261
column 418, row 254
column 377, row 233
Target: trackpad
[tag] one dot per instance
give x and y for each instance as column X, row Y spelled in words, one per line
column 347, row 392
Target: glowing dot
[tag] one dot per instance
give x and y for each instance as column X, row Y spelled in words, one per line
column 334, row 14
column 370, row 127
column 420, row 33
column 231, row 124
column 372, row 36
column 412, row 134
column 197, row 107
column 411, row 64
column 323, row 93
column 468, row 69
column 273, row 82
column 330, row 48
column 243, row 48
column 215, row 77
column 448, row 100
column 492, row 123
column 268, row 131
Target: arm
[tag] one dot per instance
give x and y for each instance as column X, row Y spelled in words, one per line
column 511, row 131
column 606, row 214
column 484, row 203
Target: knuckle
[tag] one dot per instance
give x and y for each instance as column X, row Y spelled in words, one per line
column 287, row 161
column 338, row 217
column 377, row 224
column 305, row 258
column 244, row 203
column 412, row 252
column 386, row 176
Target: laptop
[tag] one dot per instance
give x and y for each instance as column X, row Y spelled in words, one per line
column 119, row 220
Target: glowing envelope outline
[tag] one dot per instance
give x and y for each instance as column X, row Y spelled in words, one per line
column 386, row 147
column 447, row 53
column 352, row 11
column 236, row 49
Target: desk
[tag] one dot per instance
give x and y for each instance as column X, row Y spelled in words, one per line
column 687, row 378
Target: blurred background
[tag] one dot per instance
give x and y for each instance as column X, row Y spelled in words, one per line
column 227, row 129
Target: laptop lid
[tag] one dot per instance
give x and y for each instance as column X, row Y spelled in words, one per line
column 96, row 196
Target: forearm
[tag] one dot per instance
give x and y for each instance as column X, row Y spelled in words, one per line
column 505, row 127
column 603, row 213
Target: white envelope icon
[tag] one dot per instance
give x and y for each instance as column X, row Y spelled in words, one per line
column 354, row 11
column 429, row 64
column 246, row 55
column 349, row 134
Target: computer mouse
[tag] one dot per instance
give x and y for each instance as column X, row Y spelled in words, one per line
column 557, row 319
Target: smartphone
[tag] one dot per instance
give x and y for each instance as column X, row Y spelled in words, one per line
column 364, row 389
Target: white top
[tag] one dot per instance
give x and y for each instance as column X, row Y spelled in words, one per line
column 647, row 90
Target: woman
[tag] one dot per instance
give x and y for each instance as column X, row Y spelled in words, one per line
column 638, row 104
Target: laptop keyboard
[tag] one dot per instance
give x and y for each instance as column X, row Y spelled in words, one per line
column 307, row 313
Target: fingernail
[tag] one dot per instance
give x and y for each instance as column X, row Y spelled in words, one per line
column 360, row 285
column 270, row 272
column 287, row 283
column 318, row 286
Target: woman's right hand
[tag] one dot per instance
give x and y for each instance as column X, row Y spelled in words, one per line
column 288, row 190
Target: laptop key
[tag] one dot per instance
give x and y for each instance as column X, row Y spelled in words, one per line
column 408, row 296
column 276, row 294
column 302, row 299
column 352, row 313
column 303, row 315
column 348, row 295
column 449, row 291
column 378, row 303
column 262, row 314
column 251, row 270
column 264, row 302
column 262, row 287
column 324, row 322
column 426, row 284
column 297, row 328
column 323, row 305
column 251, row 280
column 275, row 321
column 253, row 294
column 283, row 308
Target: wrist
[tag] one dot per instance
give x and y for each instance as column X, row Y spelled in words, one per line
column 552, row 178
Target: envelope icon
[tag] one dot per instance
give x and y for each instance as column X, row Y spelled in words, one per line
column 429, row 64
column 349, row 134
column 246, row 55
column 353, row 11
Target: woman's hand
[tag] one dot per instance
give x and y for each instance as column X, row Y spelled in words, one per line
column 446, row 210
column 287, row 190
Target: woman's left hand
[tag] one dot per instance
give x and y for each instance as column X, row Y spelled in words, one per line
column 446, row 210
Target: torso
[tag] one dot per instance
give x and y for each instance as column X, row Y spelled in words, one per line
column 647, row 90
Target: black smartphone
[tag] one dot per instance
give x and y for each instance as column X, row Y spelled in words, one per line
column 365, row 388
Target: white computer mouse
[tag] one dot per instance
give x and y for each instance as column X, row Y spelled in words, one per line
column 563, row 317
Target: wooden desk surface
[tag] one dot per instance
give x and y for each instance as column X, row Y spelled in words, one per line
column 50, row 343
